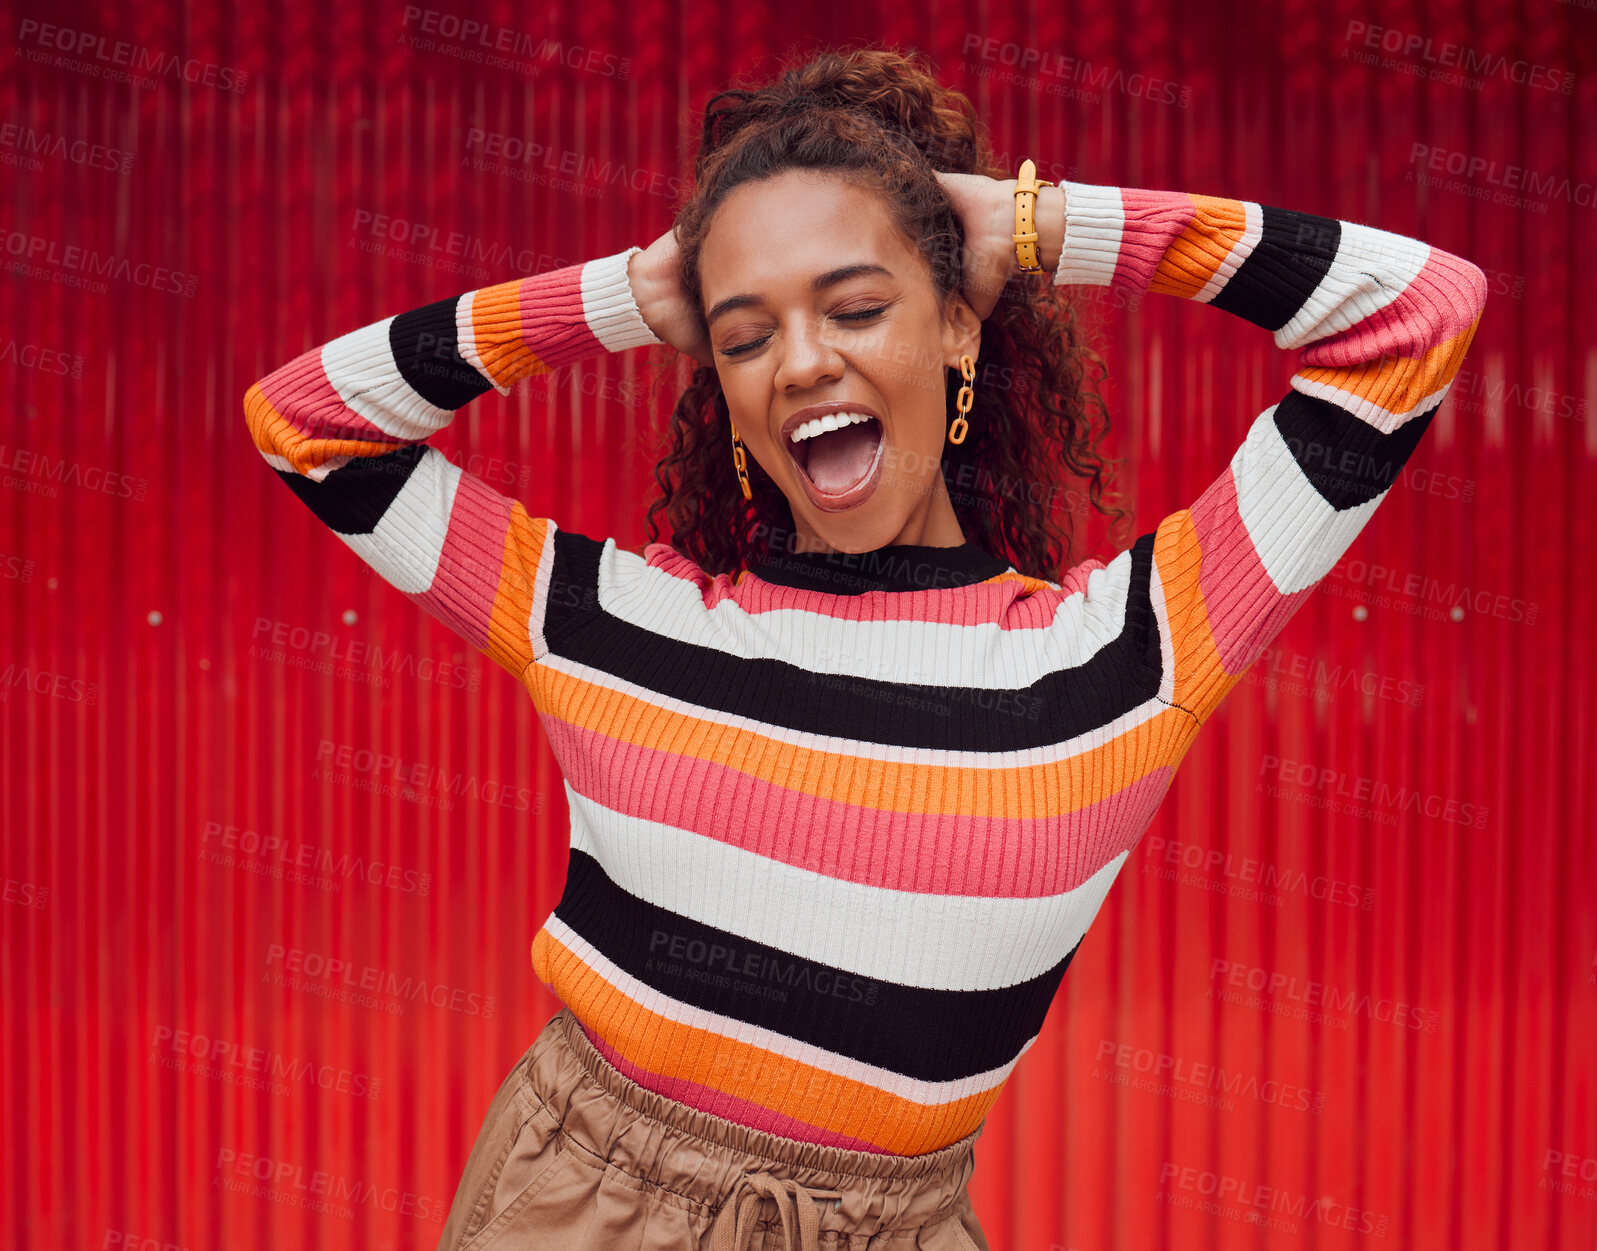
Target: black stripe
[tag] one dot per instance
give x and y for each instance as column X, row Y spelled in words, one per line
column 931, row 1035
column 428, row 357
column 1140, row 633
column 1348, row 460
column 1121, row 676
column 353, row 498
column 573, row 582
column 899, row 568
column 1286, row 266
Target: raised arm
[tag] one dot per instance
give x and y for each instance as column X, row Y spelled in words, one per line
column 346, row 424
column 1381, row 323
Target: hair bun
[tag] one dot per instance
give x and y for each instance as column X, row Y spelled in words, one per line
column 888, row 89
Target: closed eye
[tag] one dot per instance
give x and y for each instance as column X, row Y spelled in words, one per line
column 862, row 315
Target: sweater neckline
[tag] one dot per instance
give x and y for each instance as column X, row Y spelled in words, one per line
column 896, row 567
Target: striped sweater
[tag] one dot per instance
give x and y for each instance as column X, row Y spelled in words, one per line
column 838, row 826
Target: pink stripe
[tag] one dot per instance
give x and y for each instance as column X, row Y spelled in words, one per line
column 1006, row 857
column 1075, row 580
column 552, row 317
column 1435, row 307
column 462, row 593
column 728, row 1107
column 712, row 588
column 301, row 393
column 1245, row 609
column 1154, row 221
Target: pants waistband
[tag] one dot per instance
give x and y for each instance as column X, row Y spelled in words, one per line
column 704, row 1158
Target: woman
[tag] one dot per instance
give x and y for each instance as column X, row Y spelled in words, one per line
column 852, row 765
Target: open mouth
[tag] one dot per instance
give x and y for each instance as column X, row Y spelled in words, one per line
column 841, row 459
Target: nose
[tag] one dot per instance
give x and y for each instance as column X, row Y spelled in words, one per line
column 806, row 358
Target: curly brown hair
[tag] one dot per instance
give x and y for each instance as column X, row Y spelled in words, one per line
column 877, row 118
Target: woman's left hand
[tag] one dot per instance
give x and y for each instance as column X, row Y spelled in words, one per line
column 986, row 209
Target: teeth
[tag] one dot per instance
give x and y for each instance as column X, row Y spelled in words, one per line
column 820, row 425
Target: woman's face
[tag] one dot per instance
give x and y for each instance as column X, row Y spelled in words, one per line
column 793, row 271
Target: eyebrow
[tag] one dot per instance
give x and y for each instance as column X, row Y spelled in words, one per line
column 819, row 283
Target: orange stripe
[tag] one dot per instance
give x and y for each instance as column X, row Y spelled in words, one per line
column 1197, row 658
column 274, row 433
column 1396, row 383
column 1033, row 586
column 1197, row 253
column 745, row 1071
column 496, row 331
column 1021, row 791
column 509, row 620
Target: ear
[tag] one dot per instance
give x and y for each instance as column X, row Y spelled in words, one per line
column 961, row 330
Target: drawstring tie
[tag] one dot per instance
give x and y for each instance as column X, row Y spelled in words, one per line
column 792, row 1201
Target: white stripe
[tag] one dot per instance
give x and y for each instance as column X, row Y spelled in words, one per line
column 1372, row 268
column 976, row 656
column 1000, row 761
column 540, row 591
column 361, row 367
column 1252, row 232
column 1297, row 533
column 1383, row 419
column 909, row 938
column 317, row 472
column 929, row 1094
column 466, row 338
column 405, row 546
column 1095, row 220
column 1167, row 651
column 609, row 305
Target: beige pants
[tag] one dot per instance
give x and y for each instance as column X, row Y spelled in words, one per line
column 573, row 1154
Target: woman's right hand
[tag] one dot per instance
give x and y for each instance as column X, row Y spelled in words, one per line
column 655, row 276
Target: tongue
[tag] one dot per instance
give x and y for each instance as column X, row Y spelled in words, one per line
column 840, row 459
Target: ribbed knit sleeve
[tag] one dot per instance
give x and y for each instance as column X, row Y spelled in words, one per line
column 345, row 425
column 1380, row 322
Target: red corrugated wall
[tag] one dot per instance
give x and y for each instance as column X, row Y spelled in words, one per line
column 1301, row 1020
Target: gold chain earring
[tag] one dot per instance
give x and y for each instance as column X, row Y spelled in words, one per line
column 740, row 458
column 963, row 401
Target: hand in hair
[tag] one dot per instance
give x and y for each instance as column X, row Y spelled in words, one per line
column 655, row 275
column 986, row 209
